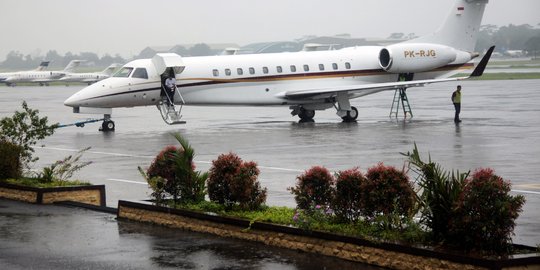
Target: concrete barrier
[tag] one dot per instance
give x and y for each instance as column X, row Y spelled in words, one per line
column 94, row 195
column 389, row 255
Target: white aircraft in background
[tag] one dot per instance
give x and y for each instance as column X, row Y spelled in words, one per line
column 42, row 77
column 3, row 76
column 304, row 81
column 89, row 77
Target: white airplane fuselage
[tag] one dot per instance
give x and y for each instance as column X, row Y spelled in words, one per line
column 304, row 81
column 251, row 80
column 34, row 77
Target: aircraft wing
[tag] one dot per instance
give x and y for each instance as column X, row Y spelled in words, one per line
column 366, row 89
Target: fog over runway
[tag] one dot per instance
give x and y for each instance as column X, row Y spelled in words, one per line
column 500, row 129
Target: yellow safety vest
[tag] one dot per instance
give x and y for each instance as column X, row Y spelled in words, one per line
column 457, row 97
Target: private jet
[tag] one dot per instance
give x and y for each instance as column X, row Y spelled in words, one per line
column 305, row 81
column 3, row 76
column 40, row 76
column 89, row 77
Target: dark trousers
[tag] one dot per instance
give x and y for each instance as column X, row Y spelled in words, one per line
column 457, row 106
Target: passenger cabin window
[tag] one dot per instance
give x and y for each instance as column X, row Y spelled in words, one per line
column 215, row 72
column 240, row 71
column 334, row 66
column 306, row 67
column 123, row 72
column 347, row 65
column 279, row 69
column 140, row 73
column 227, row 72
column 293, row 68
column 251, row 71
column 265, row 70
column 321, row 67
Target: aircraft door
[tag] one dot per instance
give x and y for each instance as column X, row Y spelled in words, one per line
column 169, row 66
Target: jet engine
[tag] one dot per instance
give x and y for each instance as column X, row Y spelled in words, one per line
column 415, row 57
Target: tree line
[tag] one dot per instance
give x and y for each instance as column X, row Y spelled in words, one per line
column 512, row 37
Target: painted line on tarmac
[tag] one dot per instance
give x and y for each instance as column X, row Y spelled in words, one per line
column 526, row 191
column 152, row 157
column 127, row 181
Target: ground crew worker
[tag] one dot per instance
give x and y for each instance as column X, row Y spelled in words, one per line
column 456, row 99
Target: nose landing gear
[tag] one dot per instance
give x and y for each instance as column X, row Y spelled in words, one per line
column 108, row 124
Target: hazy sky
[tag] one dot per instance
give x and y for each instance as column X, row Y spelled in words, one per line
column 128, row 26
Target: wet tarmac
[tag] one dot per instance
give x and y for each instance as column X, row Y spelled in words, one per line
column 58, row 237
column 500, row 129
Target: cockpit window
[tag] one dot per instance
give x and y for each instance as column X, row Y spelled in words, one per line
column 123, row 72
column 140, row 73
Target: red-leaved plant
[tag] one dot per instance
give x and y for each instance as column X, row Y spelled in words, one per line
column 347, row 200
column 485, row 213
column 163, row 166
column 234, row 182
column 313, row 187
column 387, row 191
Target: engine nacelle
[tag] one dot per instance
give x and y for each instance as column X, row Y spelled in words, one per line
column 415, row 57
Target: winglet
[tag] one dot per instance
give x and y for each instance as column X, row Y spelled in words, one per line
column 479, row 70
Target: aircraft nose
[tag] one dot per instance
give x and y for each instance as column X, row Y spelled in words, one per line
column 72, row 101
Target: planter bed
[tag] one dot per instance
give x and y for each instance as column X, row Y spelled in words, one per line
column 94, row 195
column 394, row 256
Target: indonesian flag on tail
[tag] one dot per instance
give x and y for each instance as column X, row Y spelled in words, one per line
column 460, row 11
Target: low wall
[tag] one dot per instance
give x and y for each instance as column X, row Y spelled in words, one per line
column 94, row 195
column 387, row 255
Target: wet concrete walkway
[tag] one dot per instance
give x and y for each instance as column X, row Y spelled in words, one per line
column 60, row 237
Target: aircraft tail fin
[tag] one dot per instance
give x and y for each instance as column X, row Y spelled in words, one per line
column 460, row 30
column 72, row 65
column 43, row 65
column 110, row 69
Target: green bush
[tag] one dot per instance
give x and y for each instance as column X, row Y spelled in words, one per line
column 10, row 160
column 173, row 173
column 25, row 129
column 234, row 182
column 387, row 191
column 440, row 193
column 347, row 199
column 485, row 213
column 313, row 187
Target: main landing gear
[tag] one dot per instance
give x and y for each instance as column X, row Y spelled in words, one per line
column 108, row 124
column 351, row 115
column 306, row 115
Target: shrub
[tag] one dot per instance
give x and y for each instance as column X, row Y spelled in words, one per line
column 314, row 187
column 486, row 213
column 157, row 185
column 346, row 201
column 64, row 169
column 190, row 183
column 25, row 129
column 10, row 160
column 440, row 194
column 387, row 191
column 234, row 182
column 163, row 166
column 176, row 169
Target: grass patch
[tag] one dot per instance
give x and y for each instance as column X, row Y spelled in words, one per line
column 408, row 233
column 503, row 76
column 34, row 182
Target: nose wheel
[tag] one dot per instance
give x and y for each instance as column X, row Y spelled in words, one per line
column 108, row 124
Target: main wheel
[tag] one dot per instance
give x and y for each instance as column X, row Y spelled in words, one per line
column 107, row 125
column 306, row 115
column 351, row 116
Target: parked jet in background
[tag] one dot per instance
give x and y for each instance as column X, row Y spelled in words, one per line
column 89, row 77
column 40, row 76
column 3, row 76
column 304, row 81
